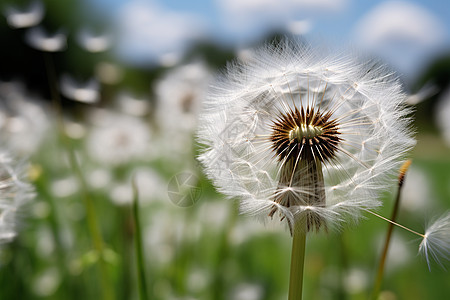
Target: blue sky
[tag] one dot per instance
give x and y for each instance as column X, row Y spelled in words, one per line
column 340, row 23
column 406, row 33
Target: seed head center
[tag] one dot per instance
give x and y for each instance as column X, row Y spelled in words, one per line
column 306, row 134
column 306, row 131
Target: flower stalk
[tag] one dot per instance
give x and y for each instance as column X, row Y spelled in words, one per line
column 379, row 277
column 140, row 262
column 297, row 260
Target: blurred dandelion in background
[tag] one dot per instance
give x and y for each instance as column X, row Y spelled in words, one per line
column 179, row 96
column 40, row 39
column 24, row 119
column 94, row 42
column 15, row 193
column 26, row 17
column 83, row 92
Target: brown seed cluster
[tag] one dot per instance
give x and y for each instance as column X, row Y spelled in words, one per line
column 303, row 139
column 306, row 134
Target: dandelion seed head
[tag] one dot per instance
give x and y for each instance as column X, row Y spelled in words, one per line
column 297, row 131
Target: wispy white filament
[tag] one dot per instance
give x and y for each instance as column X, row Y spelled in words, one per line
column 436, row 242
column 363, row 97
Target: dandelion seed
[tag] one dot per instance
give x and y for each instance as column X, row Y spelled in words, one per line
column 39, row 39
column 305, row 134
column 28, row 17
column 436, row 241
column 86, row 93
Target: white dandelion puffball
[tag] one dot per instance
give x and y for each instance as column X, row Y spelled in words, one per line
column 15, row 193
column 299, row 132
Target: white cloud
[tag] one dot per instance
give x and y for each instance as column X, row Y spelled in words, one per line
column 275, row 6
column 402, row 32
column 247, row 17
column 149, row 32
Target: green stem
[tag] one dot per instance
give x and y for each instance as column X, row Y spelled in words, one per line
column 379, row 277
column 297, row 260
column 140, row 263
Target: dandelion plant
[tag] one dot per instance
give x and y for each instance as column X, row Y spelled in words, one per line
column 310, row 136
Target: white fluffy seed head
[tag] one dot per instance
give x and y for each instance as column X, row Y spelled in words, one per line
column 436, row 242
column 363, row 102
column 15, row 192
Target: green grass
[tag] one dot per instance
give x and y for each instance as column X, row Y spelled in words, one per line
column 206, row 251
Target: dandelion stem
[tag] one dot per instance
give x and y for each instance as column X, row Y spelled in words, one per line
column 140, row 262
column 379, row 276
column 297, row 260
